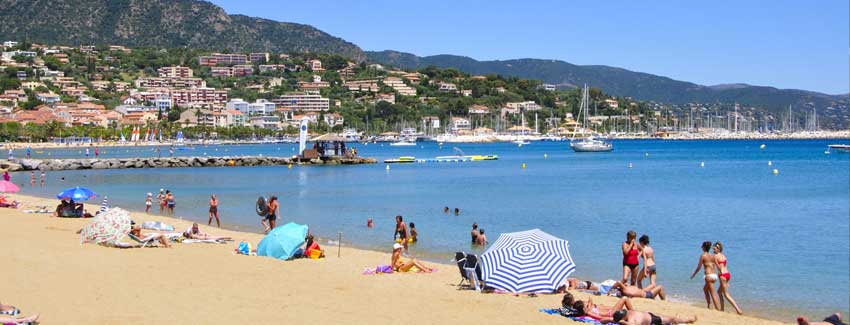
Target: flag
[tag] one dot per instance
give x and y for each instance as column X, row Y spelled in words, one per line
column 302, row 136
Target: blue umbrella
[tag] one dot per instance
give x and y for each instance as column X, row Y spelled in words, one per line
column 282, row 242
column 76, row 194
column 527, row 261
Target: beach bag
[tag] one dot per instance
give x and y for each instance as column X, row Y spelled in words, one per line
column 384, row 269
column 244, row 248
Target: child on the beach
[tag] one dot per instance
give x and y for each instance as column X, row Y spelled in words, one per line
column 148, row 202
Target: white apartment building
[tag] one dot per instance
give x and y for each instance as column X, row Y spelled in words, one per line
column 526, row 106
column 175, row 72
column 303, row 102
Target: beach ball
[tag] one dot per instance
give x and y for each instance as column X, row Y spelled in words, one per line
column 231, row 163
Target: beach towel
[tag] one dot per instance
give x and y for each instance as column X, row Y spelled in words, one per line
column 378, row 270
column 568, row 314
column 195, row 241
column 157, row 225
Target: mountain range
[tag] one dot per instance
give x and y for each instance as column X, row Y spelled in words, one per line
column 160, row 23
column 203, row 25
column 612, row 80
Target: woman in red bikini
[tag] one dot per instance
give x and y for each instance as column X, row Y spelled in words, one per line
column 631, row 260
column 723, row 291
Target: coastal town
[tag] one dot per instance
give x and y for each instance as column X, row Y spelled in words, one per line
column 52, row 92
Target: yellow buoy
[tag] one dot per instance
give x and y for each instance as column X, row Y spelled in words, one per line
column 523, row 165
column 289, row 166
column 775, row 171
column 231, row 163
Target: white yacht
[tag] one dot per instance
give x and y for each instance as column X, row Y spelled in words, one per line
column 590, row 143
column 351, row 135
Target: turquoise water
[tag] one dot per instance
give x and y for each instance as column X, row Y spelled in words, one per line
column 786, row 235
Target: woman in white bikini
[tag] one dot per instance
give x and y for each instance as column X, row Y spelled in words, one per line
column 706, row 262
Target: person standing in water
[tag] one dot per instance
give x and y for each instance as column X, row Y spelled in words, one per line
column 648, row 256
column 413, row 233
column 271, row 214
column 160, row 198
column 87, row 152
column 169, row 199
column 723, row 291
column 96, row 152
column 43, row 178
column 706, row 262
column 482, row 239
column 214, row 211
column 400, row 231
column 148, row 202
column 6, row 176
column 32, row 178
column 631, row 258
column 474, row 233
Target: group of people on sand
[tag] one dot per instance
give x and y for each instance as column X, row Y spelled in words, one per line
column 193, row 232
column 622, row 312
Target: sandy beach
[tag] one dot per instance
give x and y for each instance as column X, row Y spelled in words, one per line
column 48, row 272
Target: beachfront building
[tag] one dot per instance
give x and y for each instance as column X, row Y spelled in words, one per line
column 163, row 103
column 197, row 117
column 260, row 107
column 430, row 122
column 131, row 109
column 170, row 82
column 333, row 119
column 222, row 59
column 175, row 72
column 398, row 85
column 460, row 124
column 265, row 122
column 303, row 102
column 527, row 106
column 114, row 86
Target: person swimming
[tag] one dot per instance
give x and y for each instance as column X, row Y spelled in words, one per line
column 457, row 211
column 413, row 233
column 369, row 223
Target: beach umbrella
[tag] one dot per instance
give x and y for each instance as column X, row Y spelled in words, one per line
column 8, row 187
column 107, row 228
column 283, row 241
column 527, row 261
column 76, row 194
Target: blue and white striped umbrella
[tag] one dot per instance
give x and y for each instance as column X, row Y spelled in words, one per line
column 527, row 261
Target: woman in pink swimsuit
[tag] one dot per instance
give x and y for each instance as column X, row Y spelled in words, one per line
column 723, row 291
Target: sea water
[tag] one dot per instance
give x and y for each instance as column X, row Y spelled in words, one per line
column 786, row 235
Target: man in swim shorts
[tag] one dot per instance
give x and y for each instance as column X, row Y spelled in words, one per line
column 633, row 317
column 649, row 292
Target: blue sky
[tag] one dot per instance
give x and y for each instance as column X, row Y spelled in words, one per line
column 780, row 43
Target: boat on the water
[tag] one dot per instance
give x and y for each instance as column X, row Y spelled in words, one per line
column 840, row 147
column 401, row 160
column 590, row 143
column 403, row 143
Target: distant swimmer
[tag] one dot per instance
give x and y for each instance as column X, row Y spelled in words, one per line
column 457, row 211
column 446, row 210
column 413, row 233
column 369, row 223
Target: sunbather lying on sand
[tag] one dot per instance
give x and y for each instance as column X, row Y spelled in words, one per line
column 195, row 233
column 9, row 315
column 4, row 203
column 137, row 231
column 834, row 319
column 632, row 317
column 576, row 284
column 632, row 291
column 604, row 314
column 399, row 265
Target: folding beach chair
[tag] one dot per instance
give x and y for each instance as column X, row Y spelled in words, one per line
column 473, row 272
column 460, row 259
column 145, row 243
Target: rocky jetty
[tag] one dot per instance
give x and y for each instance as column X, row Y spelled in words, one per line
column 171, row 162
